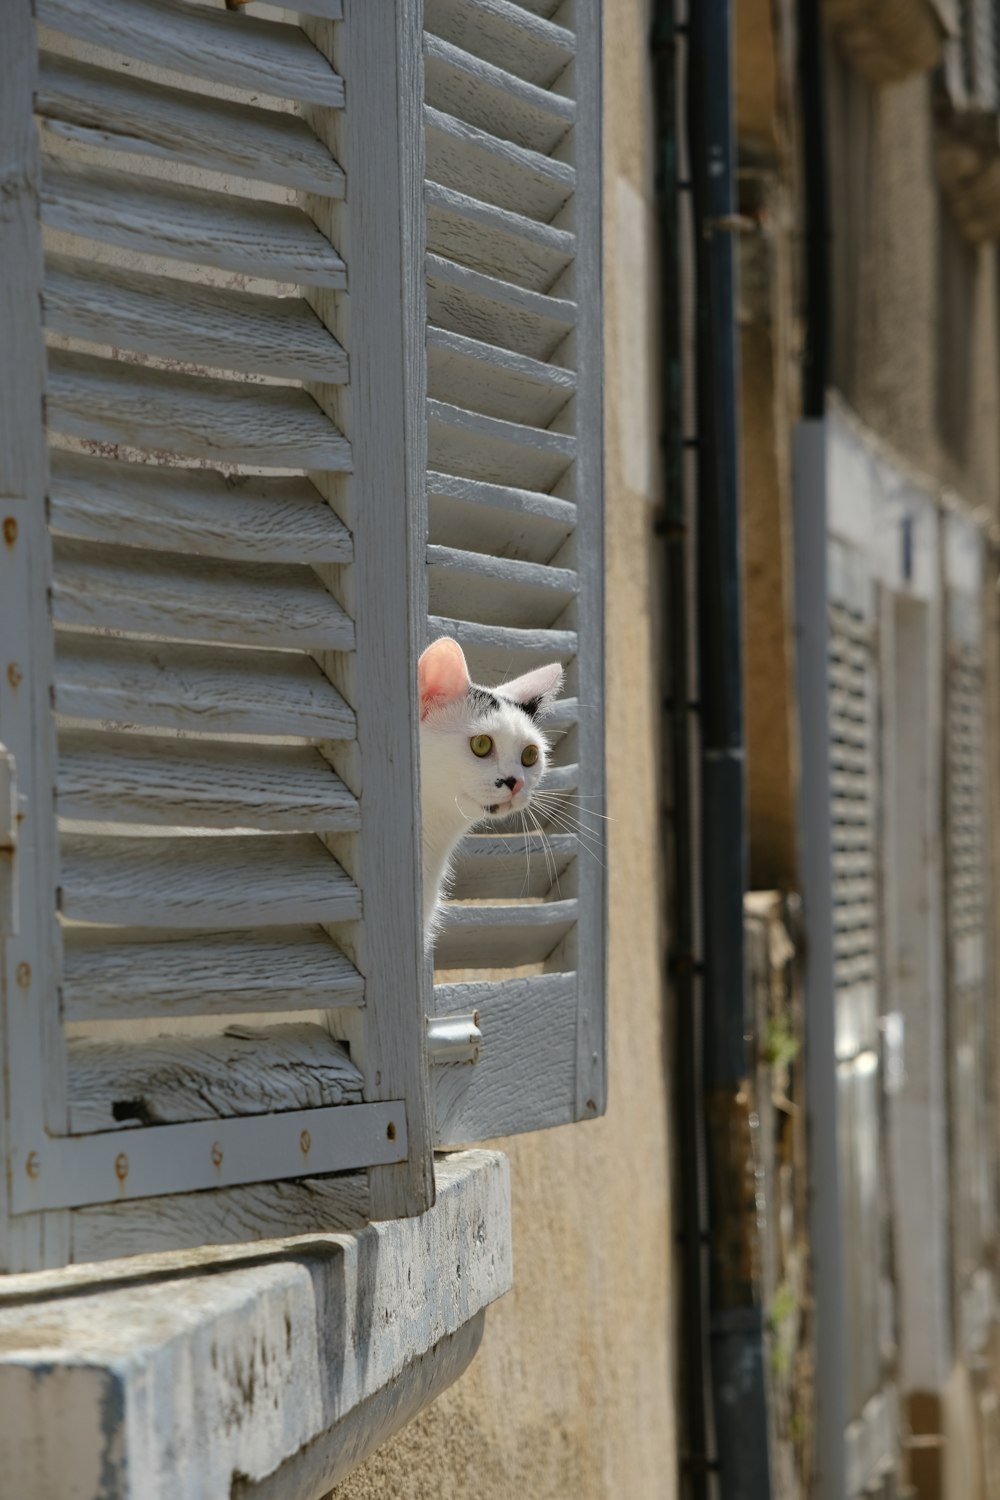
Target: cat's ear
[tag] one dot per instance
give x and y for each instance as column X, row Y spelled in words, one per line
column 442, row 674
column 536, row 691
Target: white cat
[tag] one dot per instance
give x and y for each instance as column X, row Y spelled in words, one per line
column 482, row 754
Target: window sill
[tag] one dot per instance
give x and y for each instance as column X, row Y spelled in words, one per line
column 251, row 1373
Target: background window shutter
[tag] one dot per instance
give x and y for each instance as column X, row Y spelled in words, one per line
column 231, row 993
column 514, row 561
column 967, row 874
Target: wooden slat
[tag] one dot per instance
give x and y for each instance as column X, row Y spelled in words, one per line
column 189, row 322
column 155, row 217
column 525, row 1077
column 496, row 312
column 496, row 382
column 496, row 590
column 215, row 881
column 194, row 40
column 495, row 240
column 497, row 651
column 459, row 83
column 497, row 937
column 110, row 974
column 242, row 518
column 508, row 35
column 203, row 689
column 509, row 453
column 116, row 1085
column 98, row 107
column 471, row 160
column 110, row 401
column 143, row 593
column 115, row 778
column 516, row 866
column 496, row 518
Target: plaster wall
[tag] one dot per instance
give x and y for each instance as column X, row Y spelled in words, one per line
column 571, row 1394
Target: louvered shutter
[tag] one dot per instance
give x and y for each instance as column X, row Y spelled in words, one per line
column 972, row 57
column 968, row 904
column 512, row 119
column 232, row 558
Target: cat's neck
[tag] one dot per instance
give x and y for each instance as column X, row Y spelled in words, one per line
column 444, row 826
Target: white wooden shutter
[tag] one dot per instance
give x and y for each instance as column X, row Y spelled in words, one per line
column 514, row 505
column 968, row 904
column 231, row 563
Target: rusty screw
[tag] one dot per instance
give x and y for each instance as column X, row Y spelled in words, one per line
column 23, row 975
column 121, row 1166
column 305, row 1141
column 14, row 675
column 216, row 1155
column 9, row 530
column 33, row 1165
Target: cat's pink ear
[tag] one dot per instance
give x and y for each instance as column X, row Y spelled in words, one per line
column 536, row 690
column 442, row 674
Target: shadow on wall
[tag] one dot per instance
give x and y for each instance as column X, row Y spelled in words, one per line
column 956, row 286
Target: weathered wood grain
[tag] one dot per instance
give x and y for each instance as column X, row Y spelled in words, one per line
column 505, row 34
column 240, row 517
column 198, row 689
column 461, row 84
column 525, row 1078
column 496, row 518
column 188, row 322
column 499, row 937
column 515, row 866
column 507, row 453
column 462, row 156
column 221, row 46
column 154, row 217
column 115, row 778
column 496, row 382
column 111, row 401
column 496, row 590
column 215, row 881
column 116, row 974
column 116, row 1085
column 147, row 593
column 496, row 312
column 112, row 110
column 494, row 240
column 496, row 652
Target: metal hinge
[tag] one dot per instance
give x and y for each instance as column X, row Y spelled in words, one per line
column 453, row 1039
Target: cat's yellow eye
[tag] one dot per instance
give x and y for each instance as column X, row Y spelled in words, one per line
column 481, row 744
column 529, row 755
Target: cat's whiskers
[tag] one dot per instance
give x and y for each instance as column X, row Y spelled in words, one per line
column 550, row 859
column 562, row 819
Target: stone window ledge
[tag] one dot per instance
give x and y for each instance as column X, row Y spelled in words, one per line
column 261, row 1372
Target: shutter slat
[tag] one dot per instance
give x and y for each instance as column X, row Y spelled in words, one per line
column 498, row 651
column 505, row 34
column 469, row 443
column 205, row 43
column 496, row 382
column 121, row 588
column 182, row 320
column 497, row 518
column 514, row 866
column 197, row 688
column 483, row 937
column 231, row 421
column 458, row 83
column 214, row 881
column 496, row 590
column 109, row 975
column 482, row 307
column 174, row 1080
column 111, row 110
column 494, row 240
column 154, row 217
column 280, row 519
column 509, row 176
column 198, row 784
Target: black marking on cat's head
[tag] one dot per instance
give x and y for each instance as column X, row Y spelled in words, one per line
column 531, row 707
column 482, row 699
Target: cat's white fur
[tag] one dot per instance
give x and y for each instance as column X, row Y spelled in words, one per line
column 458, row 788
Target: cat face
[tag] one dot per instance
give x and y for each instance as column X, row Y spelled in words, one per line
column 482, row 750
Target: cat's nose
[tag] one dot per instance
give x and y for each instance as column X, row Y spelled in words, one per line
column 513, row 783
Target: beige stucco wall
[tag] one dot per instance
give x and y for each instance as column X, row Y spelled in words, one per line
column 571, row 1394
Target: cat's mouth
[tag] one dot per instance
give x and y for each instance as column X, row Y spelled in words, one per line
column 498, row 807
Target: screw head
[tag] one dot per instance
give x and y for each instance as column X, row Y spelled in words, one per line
column 9, row 530
column 216, row 1155
column 305, row 1142
column 390, row 1131
column 14, row 675
column 33, row 1165
column 121, row 1166
column 23, row 974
